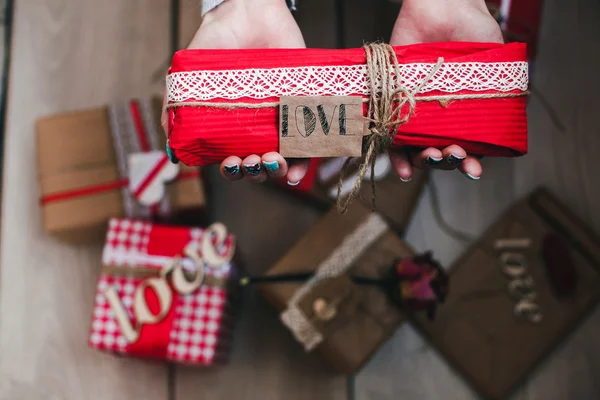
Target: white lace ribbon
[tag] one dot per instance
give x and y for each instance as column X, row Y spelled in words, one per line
column 339, row 261
column 343, row 80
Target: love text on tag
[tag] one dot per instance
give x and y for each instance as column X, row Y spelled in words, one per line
column 319, row 126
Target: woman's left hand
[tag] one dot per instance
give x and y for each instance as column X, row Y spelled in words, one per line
column 422, row 21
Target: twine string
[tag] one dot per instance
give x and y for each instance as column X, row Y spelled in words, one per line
column 384, row 115
column 442, row 99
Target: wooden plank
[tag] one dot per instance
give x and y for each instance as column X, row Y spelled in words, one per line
column 407, row 367
column 317, row 20
column 266, row 362
column 566, row 74
column 190, row 16
column 368, row 21
column 66, row 55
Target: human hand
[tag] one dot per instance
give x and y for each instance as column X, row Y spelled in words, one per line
column 422, row 21
column 238, row 24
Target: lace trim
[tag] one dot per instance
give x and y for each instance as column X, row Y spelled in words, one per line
column 340, row 80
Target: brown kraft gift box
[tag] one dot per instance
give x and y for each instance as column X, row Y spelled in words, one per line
column 366, row 318
column 78, row 168
column 477, row 330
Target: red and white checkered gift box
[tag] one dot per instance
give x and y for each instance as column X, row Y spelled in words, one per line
column 189, row 326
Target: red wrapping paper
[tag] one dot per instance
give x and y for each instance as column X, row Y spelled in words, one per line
column 197, row 329
column 490, row 127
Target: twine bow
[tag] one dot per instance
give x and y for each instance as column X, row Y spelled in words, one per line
column 383, row 115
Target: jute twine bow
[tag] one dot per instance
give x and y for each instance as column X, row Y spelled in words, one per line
column 383, row 114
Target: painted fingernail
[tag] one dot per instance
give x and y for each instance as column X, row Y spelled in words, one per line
column 454, row 159
column 252, row 169
column 406, row 180
column 171, row 154
column 471, row 177
column 271, row 166
column 232, row 170
column 293, row 183
column 432, row 161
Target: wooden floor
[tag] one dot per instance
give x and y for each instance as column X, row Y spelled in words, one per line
column 72, row 54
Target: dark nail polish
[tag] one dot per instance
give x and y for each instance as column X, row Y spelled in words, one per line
column 293, row 183
column 252, row 169
column 471, row 177
column 455, row 160
column 171, row 154
column 271, row 166
column 232, row 170
column 432, row 161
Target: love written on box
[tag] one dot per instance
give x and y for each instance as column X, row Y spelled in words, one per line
column 110, row 162
column 517, row 293
column 340, row 122
column 164, row 293
column 318, row 103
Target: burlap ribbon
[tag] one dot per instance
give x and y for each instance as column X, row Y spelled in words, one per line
column 337, row 264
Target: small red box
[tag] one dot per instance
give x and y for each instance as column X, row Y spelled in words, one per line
column 141, row 307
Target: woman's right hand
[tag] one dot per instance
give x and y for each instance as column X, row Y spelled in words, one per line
column 239, row 24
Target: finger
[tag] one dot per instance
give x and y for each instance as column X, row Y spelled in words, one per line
column 231, row 168
column 253, row 170
column 275, row 166
column 401, row 164
column 297, row 170
column 453, row 156
column 471, row 168
column 428, row 158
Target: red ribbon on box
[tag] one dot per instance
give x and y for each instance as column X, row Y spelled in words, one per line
column 206, row 135
column 133, row 131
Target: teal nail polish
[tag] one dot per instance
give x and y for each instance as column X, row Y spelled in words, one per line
column 271, row 166
column 406, row 180
column 471, row 177
column 170, row 154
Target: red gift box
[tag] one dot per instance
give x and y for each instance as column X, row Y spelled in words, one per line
column 204, row 132
column 163, row 292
